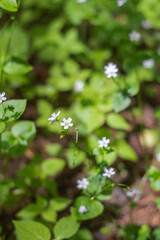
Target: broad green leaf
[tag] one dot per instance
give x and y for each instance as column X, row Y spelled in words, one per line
column 8, row 141
column 94, row 208
column 125, row 151
column 66, row 227
column 144, row 232
column 16, row 66
column 33, row 209
column 25, row 130
column 116, row 121
column 156, row 234
column 12, row 109
column 9, row 5
column 30, row 230
column 83, row 234
column 120, row 101
column 2, row 126
column 60, row 203
column 52, row 166
column 49, row 214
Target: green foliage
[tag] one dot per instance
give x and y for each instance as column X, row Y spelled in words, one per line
column 94, row 208
column 52, row 166
column 121, row 101
column 16, row 66
column 117, row 121
column 66, row 227
column 9, row 5
column 30, row 230
column 12, row 109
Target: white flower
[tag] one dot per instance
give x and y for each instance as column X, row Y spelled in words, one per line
column 121, row 2
column 82, row 184
column 81, row 1
column 79, row 85
column 2, row 97
column 146, row 24
column 66, row 123
column 149, row 63
column 111, row 70
column 82, row 209
column 158, row 157
column 134, row 36
column 103, row 143
column 132, row 192
column 54, row 117
column 108, row 172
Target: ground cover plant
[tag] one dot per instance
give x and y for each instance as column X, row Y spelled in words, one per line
column 79, row 119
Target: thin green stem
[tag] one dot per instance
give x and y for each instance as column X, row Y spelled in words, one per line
column 117, row 83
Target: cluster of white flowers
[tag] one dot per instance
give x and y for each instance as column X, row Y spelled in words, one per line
column 2, row 97
column 111, row 70
column 134, row 36
column 66, row 123
column 79, row 85
column 121, row 2
column 149, row 63
column 103, row 143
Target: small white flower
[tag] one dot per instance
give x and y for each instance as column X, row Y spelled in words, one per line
column 158, row 157
column 82, row 209
column 121, row 2
column 149, row 63
column 66, row 123
column 81, row 1
column 2, row 97
column 132, row 192
column 79, row 85
column 108, row 172
column 82, row 184
column 111, row 70
column 103, row 143
column 54, row 117
column 134, row 36
column 146, row 24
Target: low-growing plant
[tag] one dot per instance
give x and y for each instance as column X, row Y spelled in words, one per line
column 96, row 62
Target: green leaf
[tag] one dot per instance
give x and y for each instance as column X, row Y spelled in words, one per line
column 52, row 166
column 33, row 209
column 120, row 101
column 94, row 208
column 25, row 130
column 50, row 214
column 83, row 234
column 2, row 126
column 9, row 5
column 125, row 151
column 66, row 227
column 116, row 121
column 16, row 66
column 30, row 230
column 60, row 203
column 12, row 109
